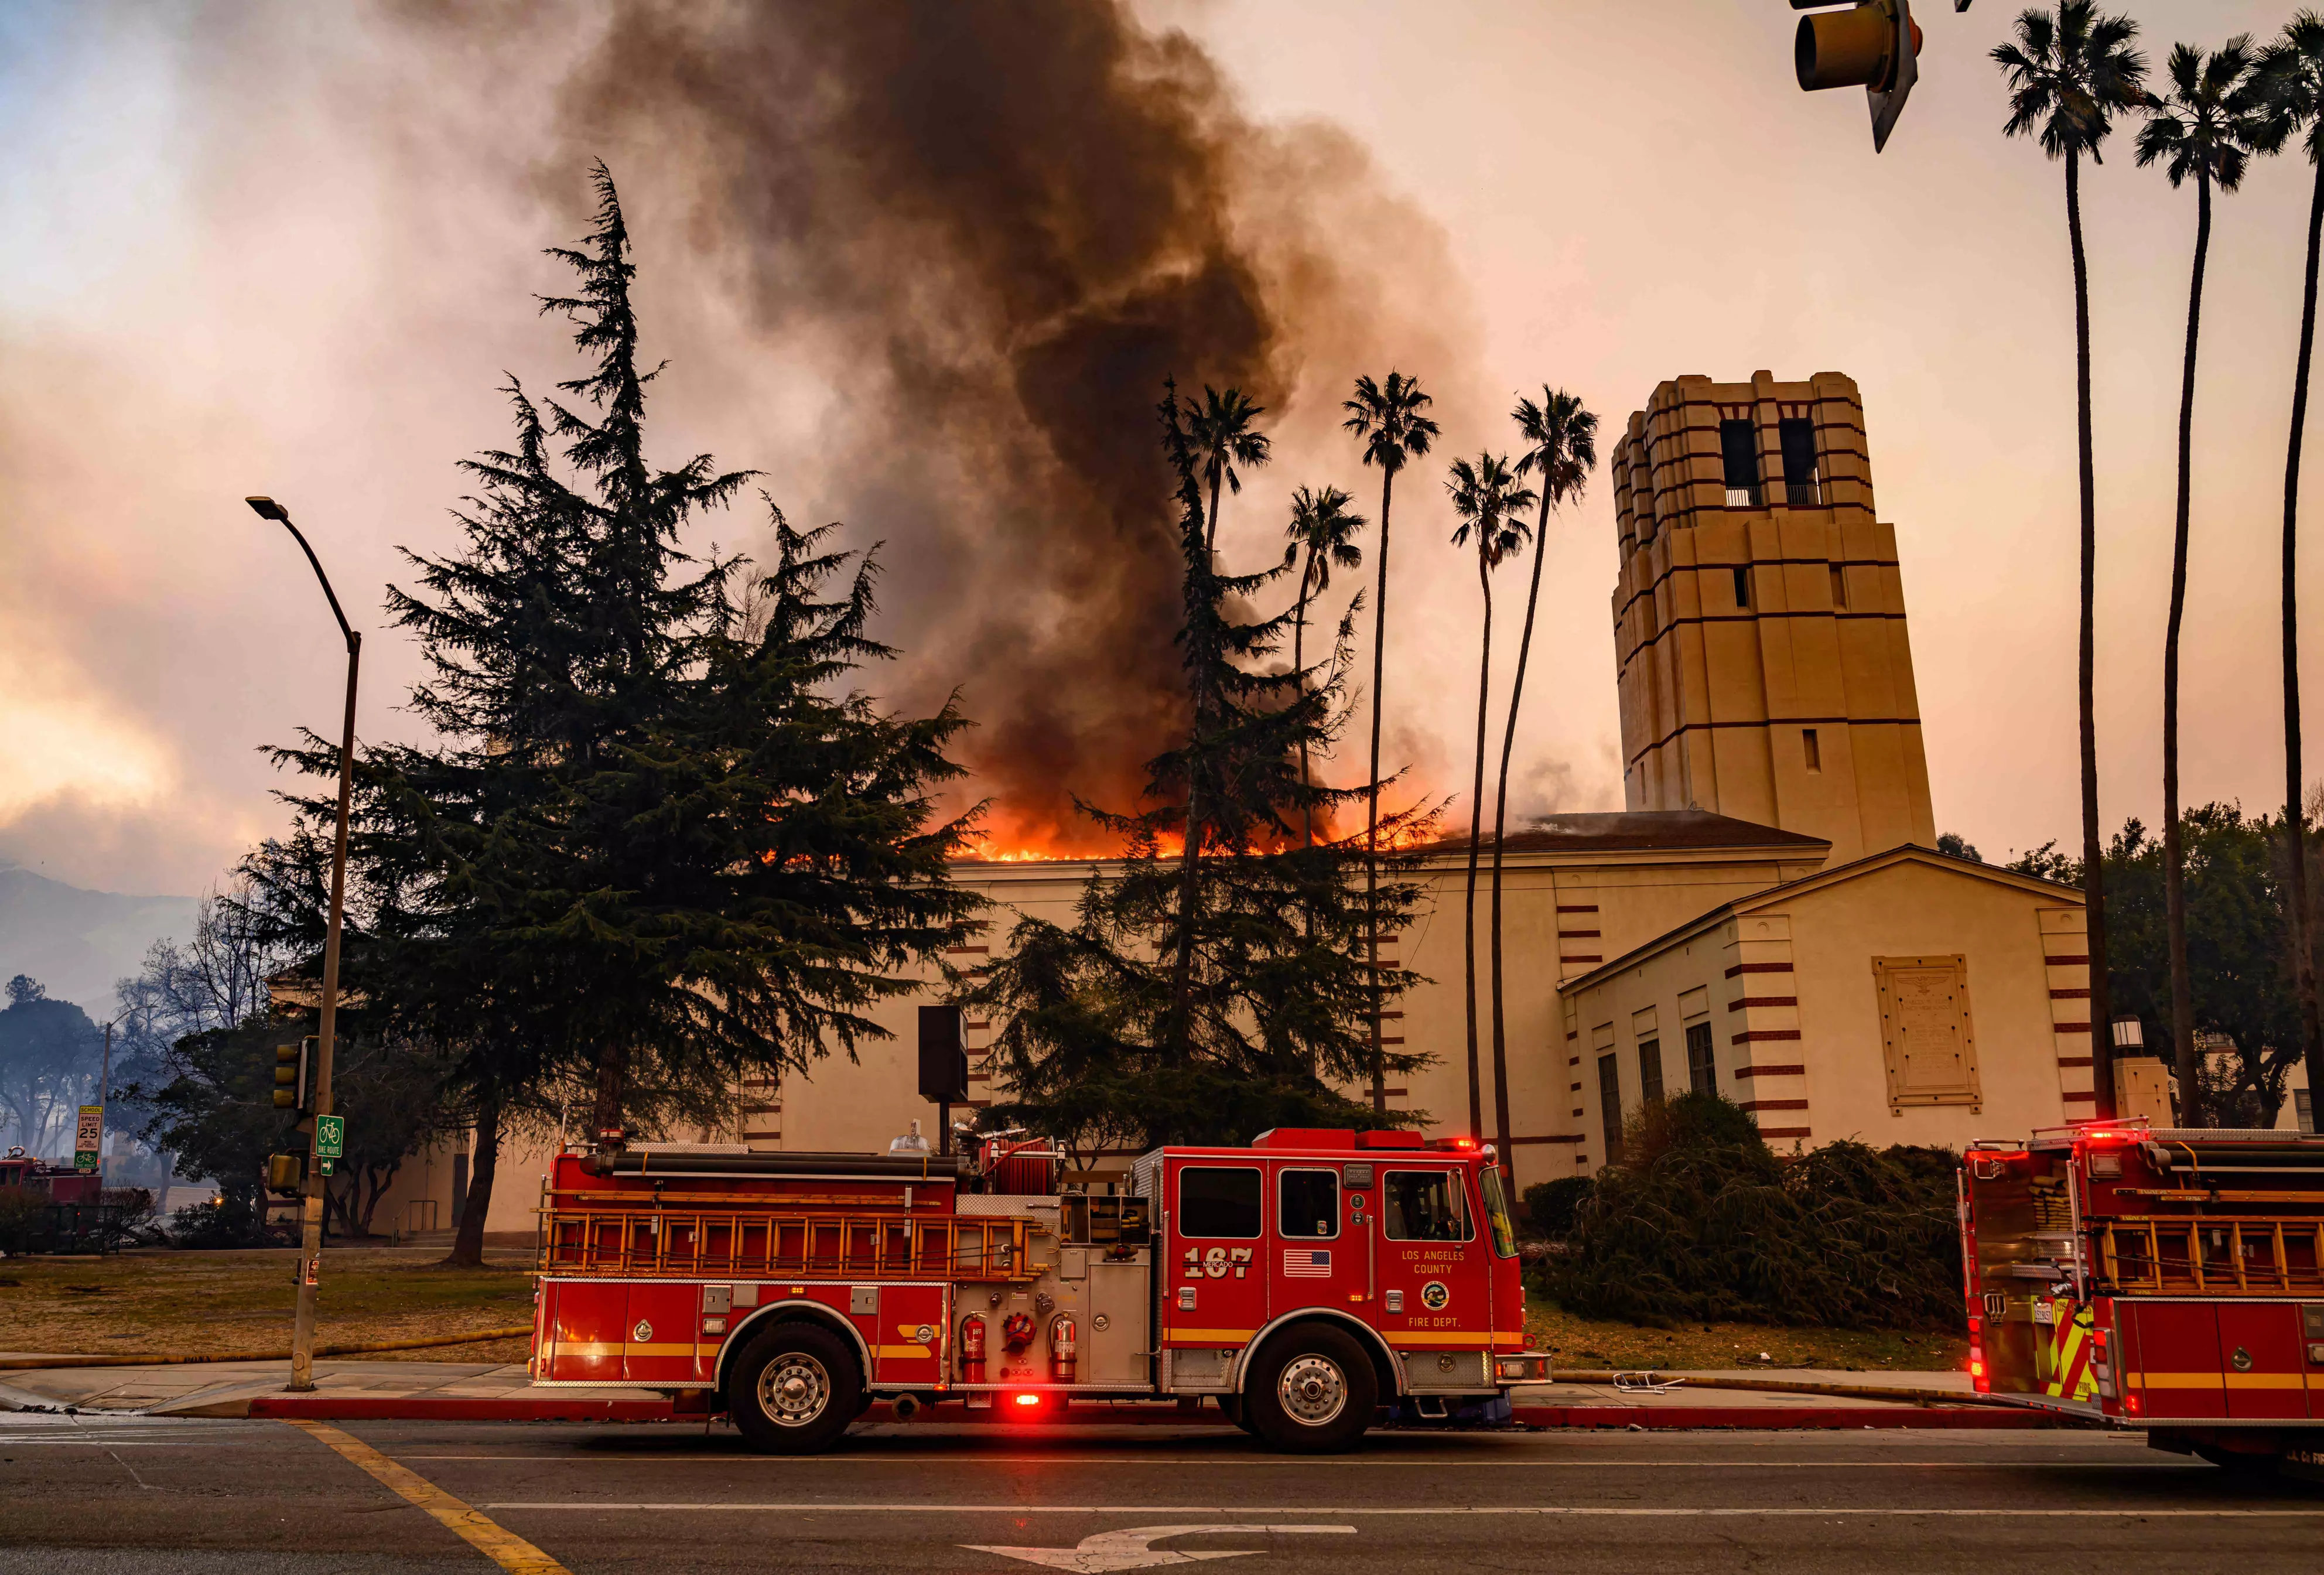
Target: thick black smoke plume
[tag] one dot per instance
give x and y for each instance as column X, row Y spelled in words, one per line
column 1002, row 224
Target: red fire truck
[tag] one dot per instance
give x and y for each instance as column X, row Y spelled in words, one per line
column 1309, row 1284
column 2169, row 1280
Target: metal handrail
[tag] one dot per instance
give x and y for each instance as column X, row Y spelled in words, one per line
column 668, row 1243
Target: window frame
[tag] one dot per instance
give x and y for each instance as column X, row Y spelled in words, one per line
column 1179, row 1216
column 1609, row 1103
column 1283, row 1213
column 1451, row 1176
column 1650, row 1059
column 1709, row 1082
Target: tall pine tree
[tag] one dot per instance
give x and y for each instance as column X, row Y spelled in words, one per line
column 1210, row 991
column 659, row 843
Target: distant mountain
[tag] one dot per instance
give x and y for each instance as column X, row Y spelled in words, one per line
column 79, row 943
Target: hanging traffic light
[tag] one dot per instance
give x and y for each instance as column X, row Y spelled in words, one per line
column 1875, row 45
column 291, row 1074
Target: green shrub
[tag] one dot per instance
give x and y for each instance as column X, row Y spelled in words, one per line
column 1702, row 1221
column 24, row 1213
column 1549, row 1205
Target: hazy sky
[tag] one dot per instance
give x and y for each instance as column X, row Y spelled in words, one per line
column 289, row 248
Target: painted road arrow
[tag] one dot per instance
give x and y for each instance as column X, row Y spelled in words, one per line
column 1129, row 1549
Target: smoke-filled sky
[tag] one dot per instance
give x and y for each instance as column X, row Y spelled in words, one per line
column 922, row 265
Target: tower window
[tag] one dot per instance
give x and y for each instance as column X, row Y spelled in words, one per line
column 1802, row 486
column 1650, row 1070
column 1839, row 588
column 1742, row 586
column 1738, row 455
column 1814, row 749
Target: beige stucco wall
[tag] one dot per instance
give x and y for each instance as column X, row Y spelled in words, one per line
column 1551, row 904
column 1794, row 1007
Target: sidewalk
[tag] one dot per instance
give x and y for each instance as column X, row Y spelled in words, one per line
column 355, row 1390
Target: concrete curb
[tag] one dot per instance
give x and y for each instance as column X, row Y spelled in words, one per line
column 52, row 1363
column 324, row 1406
column 1789, row 1387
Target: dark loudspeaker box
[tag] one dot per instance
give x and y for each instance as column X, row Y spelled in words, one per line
column 944, row 1065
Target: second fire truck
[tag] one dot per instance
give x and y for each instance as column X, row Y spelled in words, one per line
column 1308, row 1285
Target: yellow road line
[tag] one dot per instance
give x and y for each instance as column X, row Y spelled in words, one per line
column 505, row 1548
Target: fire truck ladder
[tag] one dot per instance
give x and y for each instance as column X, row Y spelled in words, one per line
column 2214, row 1254
column 649, row 1243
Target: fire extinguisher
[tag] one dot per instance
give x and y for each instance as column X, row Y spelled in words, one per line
column 972, row 1348
column 1062, row 1343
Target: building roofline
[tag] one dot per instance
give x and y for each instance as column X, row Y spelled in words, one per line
column 1908, row 853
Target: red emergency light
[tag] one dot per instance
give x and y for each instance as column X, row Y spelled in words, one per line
column 1025, row 1402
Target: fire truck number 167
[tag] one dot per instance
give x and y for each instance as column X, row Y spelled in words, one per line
column 1217, row 1261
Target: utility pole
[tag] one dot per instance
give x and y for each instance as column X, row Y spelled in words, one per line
column 310, row 1245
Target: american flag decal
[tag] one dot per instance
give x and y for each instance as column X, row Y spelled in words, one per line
column 1306, row 1263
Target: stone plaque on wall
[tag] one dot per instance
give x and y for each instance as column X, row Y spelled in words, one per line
column 1927, row 1037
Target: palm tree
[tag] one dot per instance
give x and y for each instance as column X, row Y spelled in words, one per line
column 1488, row 499
column 1321, row 528
column 1561, row 447
column 1222, row 430
column 2069, row 74
column 2292, row 75
column 2205, row 127
column 1387, row 416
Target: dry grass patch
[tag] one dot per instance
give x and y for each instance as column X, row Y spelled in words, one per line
column 1587, row 1342
column 195, row 1303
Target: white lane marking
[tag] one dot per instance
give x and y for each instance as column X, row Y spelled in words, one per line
column 1129, row 1549
column 1841, row 1511
column 922, row 1462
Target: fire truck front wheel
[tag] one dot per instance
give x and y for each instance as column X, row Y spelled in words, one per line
column 1311, row 1392
column 794, row 1390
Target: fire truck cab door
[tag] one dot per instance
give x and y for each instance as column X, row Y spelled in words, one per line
column 1217, row 1286
column 1434, row 1287
column 1321, row 1252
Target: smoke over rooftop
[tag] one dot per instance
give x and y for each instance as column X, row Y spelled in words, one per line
column 995, row 229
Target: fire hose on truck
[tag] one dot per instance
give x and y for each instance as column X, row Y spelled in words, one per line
column 1310, row 1284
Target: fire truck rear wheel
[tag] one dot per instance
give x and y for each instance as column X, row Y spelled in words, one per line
column 1311, row 1392
column 794, row 1390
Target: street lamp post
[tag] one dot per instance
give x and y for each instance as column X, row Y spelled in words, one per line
column 310, row 1246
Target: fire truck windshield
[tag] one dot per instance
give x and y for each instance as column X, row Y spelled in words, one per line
column 1422, row 1205
column 1497, row 1213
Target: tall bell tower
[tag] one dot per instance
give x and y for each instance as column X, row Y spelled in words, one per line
column 1760, row 619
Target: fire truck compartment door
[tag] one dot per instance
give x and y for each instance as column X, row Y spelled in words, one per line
column 660, row 1339
column 1429, row 1249
column 2172, row 1358
column 582, row 1323
column 1114, row 1340
column 2260, row 1360
column 906, row 1334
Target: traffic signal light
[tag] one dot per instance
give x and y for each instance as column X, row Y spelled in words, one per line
column 292, row 1074
column 1875, row 45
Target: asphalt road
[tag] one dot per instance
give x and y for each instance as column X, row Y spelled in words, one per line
column 94, row 1495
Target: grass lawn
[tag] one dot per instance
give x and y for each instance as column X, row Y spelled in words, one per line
column 1583, row 1343
column 161, row 1302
